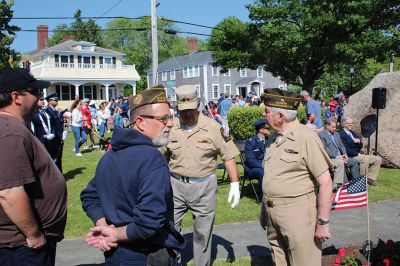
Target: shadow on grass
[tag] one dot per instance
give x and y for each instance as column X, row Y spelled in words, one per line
column 72, row 173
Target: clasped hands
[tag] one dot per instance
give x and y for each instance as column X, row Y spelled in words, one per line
column 344, row 158
column 103, row 237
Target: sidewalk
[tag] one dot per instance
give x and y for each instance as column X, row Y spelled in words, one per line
column 348, row 227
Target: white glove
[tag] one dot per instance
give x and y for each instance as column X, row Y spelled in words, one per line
column 49, row 136
column 234, row 193
column 65, row 134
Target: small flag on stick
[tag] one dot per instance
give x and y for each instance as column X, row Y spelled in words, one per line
column 351, row 195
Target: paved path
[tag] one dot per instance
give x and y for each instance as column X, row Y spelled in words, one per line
column 348, row 227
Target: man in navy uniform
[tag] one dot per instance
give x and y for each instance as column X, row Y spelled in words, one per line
column 55, row 145
column 255, row 150
column 39, row 124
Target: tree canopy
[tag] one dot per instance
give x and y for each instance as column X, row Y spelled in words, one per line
column 81, row 30
column 300, row 40
column 7, row 33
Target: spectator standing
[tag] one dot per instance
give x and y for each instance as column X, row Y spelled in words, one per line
column 296, row 169
column 87, row 122
column 225, row 105
column 118, row 122
column 369, row 164
column 33, row 194
column 337, row 152
column 102, row 120
column 93, row 114
column 124, row 105
column 313, row 110
column 138, row 219
column 195, row 143
column 76, row 126
column 55, row 146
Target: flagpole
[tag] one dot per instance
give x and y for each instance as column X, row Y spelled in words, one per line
column 369, row 243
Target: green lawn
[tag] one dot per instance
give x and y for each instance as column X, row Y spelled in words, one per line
column 79, row 170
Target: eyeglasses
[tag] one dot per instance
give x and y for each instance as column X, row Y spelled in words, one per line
column 41, row 99
column 165, row 118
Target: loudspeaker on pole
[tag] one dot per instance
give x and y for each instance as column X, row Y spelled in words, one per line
column 379, row 98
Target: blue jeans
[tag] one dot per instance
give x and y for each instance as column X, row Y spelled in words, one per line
column 78, row 133
column 25, row 256
column 101, row 128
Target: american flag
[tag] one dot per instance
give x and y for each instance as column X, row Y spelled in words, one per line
column 350, row 195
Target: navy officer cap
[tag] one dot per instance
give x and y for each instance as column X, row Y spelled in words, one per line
column 14, row 79
column 52, row 96
column 259, row 123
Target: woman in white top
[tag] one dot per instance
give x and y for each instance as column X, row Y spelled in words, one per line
column 102, row 119
column 76, row 126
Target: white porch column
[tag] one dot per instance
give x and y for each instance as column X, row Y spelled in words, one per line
column 260, row 89
column 134, row 88
column 107, row 93
column 77, row 90
column 248, row 87
column 45, row 93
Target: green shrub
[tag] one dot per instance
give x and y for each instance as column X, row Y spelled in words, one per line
column 240, row 121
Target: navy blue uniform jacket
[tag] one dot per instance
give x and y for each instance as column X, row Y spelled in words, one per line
column 132, row 187
column 254, row 151
column 56, row 121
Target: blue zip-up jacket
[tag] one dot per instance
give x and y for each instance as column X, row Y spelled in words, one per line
column 132, row 187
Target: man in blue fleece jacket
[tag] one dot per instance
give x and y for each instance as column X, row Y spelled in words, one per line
column 130, row 197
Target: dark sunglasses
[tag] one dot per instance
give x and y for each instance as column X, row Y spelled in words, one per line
column 165, row 118
column 34, row 92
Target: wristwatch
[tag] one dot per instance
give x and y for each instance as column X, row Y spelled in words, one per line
column 322, row 222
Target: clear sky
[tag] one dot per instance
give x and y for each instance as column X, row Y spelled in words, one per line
column 204, row 12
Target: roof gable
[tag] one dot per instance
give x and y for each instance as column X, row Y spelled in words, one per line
column 179, row 62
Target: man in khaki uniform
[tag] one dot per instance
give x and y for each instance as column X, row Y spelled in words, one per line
column 295, row 167
column 195, row 142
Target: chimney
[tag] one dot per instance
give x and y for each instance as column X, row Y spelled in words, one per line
column 42, row 37
column 192, row 44
column 69, row 38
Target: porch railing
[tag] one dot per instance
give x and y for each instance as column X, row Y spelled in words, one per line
column 83, row 65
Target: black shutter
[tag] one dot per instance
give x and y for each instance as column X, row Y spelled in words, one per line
column 101, row 61
column 79, row 59
column 93, row 61
column 81, row 96
column 94, row 88
column 72, row 92
column 114, row 60
column 71, row 59
column 58, row 91
column 56, row 58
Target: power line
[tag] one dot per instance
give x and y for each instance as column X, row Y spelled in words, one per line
column 114, row 17
column 111, row 8
column 167, row 31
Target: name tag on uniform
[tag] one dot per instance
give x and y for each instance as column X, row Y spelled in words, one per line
column 256, row 150
column 291, row 151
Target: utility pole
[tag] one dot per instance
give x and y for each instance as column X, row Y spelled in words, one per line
column 154, row 42
column 391, row 63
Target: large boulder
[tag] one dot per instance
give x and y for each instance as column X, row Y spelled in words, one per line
column 359, row 108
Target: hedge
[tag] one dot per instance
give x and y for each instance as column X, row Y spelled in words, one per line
column 240, row 121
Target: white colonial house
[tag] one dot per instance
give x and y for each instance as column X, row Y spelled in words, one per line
column 80, row 69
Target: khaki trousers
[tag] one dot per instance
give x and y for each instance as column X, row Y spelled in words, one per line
column 339, row 174
column 201, row 200
column 369, row 165
column 291, row 230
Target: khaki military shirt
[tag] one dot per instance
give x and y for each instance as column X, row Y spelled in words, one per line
column 293, row 162
column 194, row 153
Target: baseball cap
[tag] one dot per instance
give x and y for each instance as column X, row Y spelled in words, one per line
column 12, row 79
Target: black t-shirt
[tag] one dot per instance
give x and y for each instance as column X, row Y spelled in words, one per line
column 24, row 161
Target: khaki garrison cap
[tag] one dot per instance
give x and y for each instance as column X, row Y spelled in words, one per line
column 186, row 97
column 149, row 96
column 281, row 99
